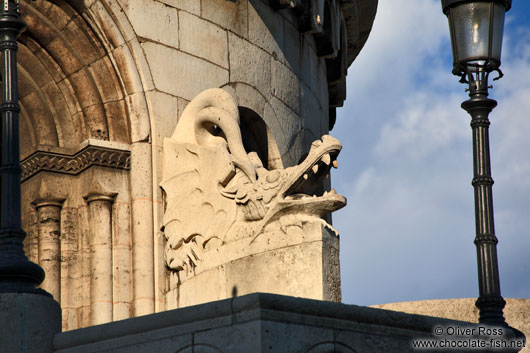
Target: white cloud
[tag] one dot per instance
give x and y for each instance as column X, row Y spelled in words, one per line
column 424, row 126
column 407, row 232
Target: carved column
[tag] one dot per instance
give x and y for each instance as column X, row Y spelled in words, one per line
column 49, row 244
column 100, row 243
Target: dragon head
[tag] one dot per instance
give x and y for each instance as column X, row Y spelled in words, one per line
column 217, row 193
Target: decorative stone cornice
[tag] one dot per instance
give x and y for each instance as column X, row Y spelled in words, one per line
column 76, row 163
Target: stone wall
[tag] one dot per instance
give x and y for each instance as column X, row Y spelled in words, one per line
column 102, row 83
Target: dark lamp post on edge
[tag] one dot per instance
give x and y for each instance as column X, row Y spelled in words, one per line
column 476, row 29
column 17, row 273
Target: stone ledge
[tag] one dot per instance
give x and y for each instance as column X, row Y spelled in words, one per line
column 271, row 308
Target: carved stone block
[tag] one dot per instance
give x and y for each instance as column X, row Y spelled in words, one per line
column 232, row 225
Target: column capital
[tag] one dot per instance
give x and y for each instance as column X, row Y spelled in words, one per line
column 94, row 196
column 42, row 202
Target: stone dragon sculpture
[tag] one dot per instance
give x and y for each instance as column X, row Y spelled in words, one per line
column 217, row 193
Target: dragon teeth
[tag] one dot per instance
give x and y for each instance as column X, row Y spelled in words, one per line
column 326, row 158
column 335, row 164
column 305, row 176
column 315, row 168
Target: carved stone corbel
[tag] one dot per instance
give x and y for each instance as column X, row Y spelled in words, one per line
column 311, row 16
column 285, row 4
column 328, row 40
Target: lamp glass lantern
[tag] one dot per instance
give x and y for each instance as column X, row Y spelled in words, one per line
column 476, row 29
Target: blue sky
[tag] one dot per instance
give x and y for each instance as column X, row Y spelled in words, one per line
column 406, row 165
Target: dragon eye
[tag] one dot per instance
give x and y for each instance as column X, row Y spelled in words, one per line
column 216, row 130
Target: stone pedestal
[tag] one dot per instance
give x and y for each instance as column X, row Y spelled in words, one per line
column 28, row 322
column 302, row 261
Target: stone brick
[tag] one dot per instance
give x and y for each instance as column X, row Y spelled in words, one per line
column 44, row 124
column 306, row 61
column 61, row 53
column 138, row 117
column 68, row 135
column 83, row 41
column 51, row 65
column 285, row 85
column 311, row 115
column 85, row 90
column 286, row 130
column 265, row 28
column 33, row 68
column 322, row 82
column 142, row 66
column 96, row 121
column 171, row 68
column 193, row 6
column 292, row 53
column 249, row 64
column 164, row 114
column 204, row 39
column 117, row 121
column 109, row 27
column 106, row 80
column 232, row 15
column 127, row 69
column 143, row 16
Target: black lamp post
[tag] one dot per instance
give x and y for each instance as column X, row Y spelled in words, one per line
column 476, row 36
column 17, row 273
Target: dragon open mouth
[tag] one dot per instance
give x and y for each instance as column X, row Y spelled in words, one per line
column 309, row 176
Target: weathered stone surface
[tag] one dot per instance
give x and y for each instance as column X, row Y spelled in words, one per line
column 232, row 15
column 293, row 42
column 289, row 133
column 145, row 14
column 312, row 115
column 244, row 58
column 106, row 80
column 285, row 85
column 170, row 68
column 164, row 109
column 265, row 28
column 29, row 322
column 210, row 42
column 118, row 128
column 192, row 6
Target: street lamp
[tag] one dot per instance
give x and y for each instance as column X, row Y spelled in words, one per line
column 17, row 273
column 476, row 29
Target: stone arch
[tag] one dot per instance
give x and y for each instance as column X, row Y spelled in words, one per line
column 82, row 80
column 331, row 347
column 258, row 138
column 78, row 78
